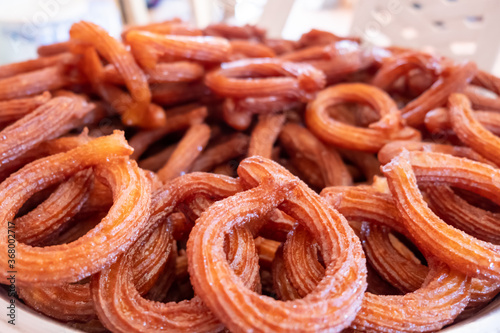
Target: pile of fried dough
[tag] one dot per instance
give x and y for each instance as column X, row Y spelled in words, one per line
column 188, row 180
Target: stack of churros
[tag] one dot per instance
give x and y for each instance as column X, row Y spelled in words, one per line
column 187, row 180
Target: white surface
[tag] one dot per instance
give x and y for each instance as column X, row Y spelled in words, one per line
column 462, row 30
column 486, row 321
column 26, row 24
column 136, row 12
column 274, row 16
column 305, row 17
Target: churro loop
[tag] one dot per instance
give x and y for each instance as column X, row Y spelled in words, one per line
column 437, row 302
column 332, row 305
column 459, row 250
column 116, row 295
column 443, row 296
column 336, row 60
column 400, row 64
column 74, row 261
column 371, row 139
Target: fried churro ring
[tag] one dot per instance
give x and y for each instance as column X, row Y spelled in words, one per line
column 443, row 201
column 336, row 59
column 115, row 283
column 417, row 311
column 276, row 78
column 459, row 250
column 388, row 128
column 444, row 290
column 481, row 292
column 97, row 248
column 400, row 64
column 444, row 294
column 345, row 273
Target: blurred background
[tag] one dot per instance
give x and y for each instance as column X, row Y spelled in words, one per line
column 461, row 29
